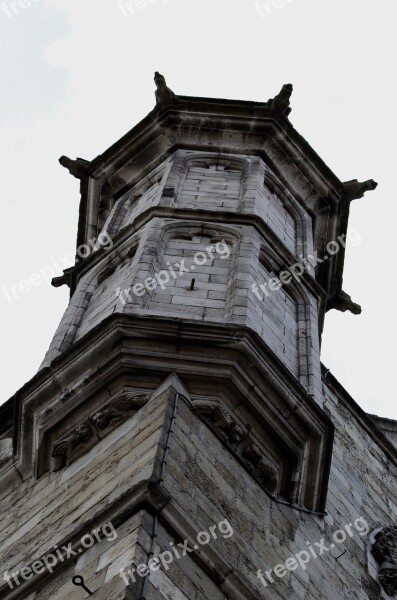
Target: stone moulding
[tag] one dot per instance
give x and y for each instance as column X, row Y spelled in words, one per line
column 132, row 354
column 384, row 551
column 81, row 438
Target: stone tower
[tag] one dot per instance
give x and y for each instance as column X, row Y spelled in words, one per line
column 178, row 438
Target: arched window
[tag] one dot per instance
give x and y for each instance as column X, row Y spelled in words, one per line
column 285, row 316
column 212, row 182
column 284, row 215
column 196, row 267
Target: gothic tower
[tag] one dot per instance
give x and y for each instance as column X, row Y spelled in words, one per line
column 179, row 436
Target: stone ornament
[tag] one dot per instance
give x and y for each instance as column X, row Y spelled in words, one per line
column 280, row 104
column 69, row 447
column 343, row 302
column 119, row 410
column 64, row 449
column 221, row 420
column 225, row 424
column 353, row 190
column 384, row 551
column 163, row 93
column 260, row 467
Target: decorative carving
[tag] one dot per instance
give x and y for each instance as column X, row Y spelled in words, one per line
column 221, row 420
column 352, row 190
column 280, row 104
column 66, row 446
column 260, row 467
column 66, row 278
column 118, row 410
column 163, row 92
column 79, row 168
column 229, row 429
column 343, row 302
column 385, row 553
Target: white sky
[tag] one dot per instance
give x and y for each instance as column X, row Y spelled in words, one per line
column 76, row 75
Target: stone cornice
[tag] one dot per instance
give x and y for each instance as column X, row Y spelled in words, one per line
column 47, row 376
column 147, row 349
column 215, row 114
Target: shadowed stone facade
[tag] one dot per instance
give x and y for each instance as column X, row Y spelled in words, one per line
column 183, row 387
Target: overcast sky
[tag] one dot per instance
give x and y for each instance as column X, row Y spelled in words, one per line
column 77, row 74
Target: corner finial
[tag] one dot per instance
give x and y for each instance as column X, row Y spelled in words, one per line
column 280, row 104
column 163, row 93
column 352, row 190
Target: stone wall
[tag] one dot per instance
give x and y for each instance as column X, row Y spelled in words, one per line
column 203, row 484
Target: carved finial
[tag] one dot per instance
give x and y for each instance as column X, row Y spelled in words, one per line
column 343, row 302
column 352, row 190
column 280, row 104
column 163, row 92
column 79, row 168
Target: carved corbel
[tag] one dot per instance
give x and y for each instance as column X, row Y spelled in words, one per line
column 118, row 410
column 260, row 467
column 63, row 450
column 228, row 428
column 221, row 420
column 384, row 551
column 85, row 434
